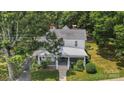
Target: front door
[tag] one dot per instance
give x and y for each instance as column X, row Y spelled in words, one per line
column 63, row 61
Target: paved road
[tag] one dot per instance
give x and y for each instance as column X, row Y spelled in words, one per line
column 25, row 76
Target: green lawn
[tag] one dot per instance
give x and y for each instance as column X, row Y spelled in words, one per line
column 44, row 75
column 107, row 66
column 100, row 75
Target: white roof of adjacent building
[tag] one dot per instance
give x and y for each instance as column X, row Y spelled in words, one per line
column 46, row 53
column 41, row 52
column 73, row 52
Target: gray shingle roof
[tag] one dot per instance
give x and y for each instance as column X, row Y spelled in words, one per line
column 66, row 33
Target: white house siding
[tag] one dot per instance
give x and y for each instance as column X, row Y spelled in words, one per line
column 71, row 43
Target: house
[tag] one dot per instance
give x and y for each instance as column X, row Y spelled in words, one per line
column 74, row 46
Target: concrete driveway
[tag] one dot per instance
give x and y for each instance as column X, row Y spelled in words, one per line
column 62, row 72
column 26, row 76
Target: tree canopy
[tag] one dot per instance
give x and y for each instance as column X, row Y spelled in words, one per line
column 19, row 31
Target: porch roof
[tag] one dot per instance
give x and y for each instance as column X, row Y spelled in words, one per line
column 41, row 53
column 73, row 52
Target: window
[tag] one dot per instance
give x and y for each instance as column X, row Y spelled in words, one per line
column 40, row 58
column 63, row 43
column 76, row 43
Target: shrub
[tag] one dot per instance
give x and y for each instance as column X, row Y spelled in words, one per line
column 3, row 71
column 17, row 62
column 35, row 66
column 79, row 65
column 91, row 68
column 45, row 63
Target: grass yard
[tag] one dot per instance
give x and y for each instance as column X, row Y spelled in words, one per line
column 44, row 75
column 108, row 63
column 100, row 75
column 107, row 66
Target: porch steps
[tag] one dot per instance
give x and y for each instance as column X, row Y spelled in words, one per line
column 62, row 72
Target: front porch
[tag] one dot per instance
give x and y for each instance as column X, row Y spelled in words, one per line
column 67, row 61
column 68, row 54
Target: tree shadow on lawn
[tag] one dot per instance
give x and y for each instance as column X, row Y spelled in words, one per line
column 120, row 64
column 106, row 53
column 109, row 54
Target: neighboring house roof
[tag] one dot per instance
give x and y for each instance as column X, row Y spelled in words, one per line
column 72, row 34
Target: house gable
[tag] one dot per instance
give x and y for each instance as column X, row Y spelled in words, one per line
column 72, row 37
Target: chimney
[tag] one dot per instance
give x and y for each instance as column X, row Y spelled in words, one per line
column 74, row 26
column 65, row 27
column 52, row 26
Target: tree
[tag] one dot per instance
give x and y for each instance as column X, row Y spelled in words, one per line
column 20, row 28
column 53, row 44
column 17, row 61
column 103, row 27
column 9, row 36
column 79, row 18
column 108, row 31
column 119, row 41
column 54, row 18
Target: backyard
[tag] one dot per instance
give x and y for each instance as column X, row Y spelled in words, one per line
column 107, row 66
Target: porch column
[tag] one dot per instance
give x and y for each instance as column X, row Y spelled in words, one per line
column 56, row 63
column 84, row 62
column 39, row 61
column 68, row 64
